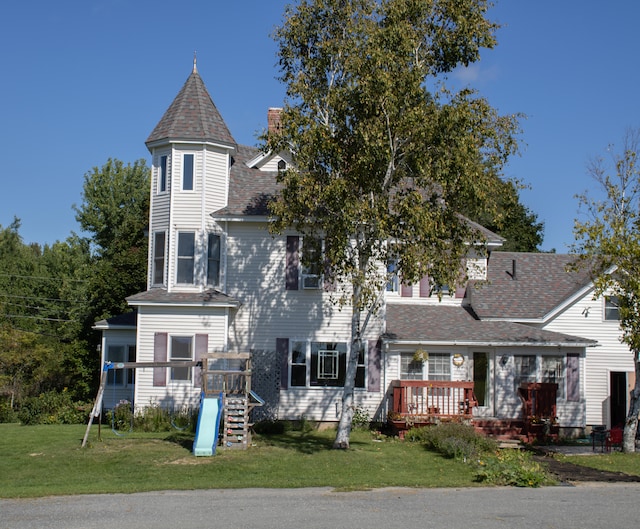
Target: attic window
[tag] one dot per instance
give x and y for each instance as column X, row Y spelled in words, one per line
column 612, row 308
column 282, row 165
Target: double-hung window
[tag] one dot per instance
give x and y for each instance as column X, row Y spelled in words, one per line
column 392, row 275
column 117, row 354
column 181, row 350
column 410, row 368
column 312, row 263
column 187, row 172
column 439, row 366
column 213, row 259
column 611, row 308
column 158, row 257
column 162, row 175
column 186, row 257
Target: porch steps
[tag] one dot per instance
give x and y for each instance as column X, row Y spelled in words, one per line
column 502, row 430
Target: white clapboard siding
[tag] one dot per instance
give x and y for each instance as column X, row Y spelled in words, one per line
column 585, row 318
column 189, row 321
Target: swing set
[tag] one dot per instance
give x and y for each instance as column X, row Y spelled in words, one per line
column 226, row 378
column 104, row 378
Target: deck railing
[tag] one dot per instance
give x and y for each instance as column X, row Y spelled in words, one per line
column 433, row 398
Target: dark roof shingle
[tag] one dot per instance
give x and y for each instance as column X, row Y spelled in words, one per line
column 455, row 325
column 192, row 116
column 525, row 285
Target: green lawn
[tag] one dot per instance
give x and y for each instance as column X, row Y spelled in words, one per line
column 614, row 461
column 48, row 460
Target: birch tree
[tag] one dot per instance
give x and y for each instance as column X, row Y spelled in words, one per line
column 386, row 158
column 608, row 240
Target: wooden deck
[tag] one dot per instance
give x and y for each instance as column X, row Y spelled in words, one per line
column 425, row 402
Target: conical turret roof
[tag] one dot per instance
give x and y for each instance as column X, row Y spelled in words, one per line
column 192, row 117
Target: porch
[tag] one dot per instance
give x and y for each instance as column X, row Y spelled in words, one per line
column 425, row 402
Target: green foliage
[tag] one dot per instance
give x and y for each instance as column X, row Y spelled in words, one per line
column 513, row 221
column 453, row 440
column 382, row 149
column 361, row 418
column 511, row 468
column 121, row 417
column 608, row 244
column 115, row 211
column 53, row 407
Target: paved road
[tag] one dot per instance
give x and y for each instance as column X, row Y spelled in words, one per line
column 582, row 507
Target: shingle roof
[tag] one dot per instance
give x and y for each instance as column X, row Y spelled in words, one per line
column 525, row 285
column 455, row 325
column 129, row 319
column 250, row 189
column 192, row 116
column 160, row 295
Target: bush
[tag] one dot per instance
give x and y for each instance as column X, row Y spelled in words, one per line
column 361, row 418
column 513, row 468
column 7, row 413
column 453, row 440
column 53, row 407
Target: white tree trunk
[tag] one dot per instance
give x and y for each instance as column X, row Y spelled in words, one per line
column 631, row 423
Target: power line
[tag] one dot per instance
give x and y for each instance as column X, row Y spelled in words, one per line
column 43, row 299
column 34, row 317
column 43, row 278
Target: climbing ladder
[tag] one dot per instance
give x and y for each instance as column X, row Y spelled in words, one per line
column 236, row 433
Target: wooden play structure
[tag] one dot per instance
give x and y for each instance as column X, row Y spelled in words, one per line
column 225, row 404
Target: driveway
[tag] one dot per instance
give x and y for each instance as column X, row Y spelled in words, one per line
column 580, row 507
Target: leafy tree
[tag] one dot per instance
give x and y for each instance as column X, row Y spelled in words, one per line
column 608, row 241
column 386, row 158
column 513, row 221
column 115, row 211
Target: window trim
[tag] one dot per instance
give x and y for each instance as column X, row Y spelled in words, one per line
column 323, row 349
column 312, row 277
column 611, row 306
column 172, row 358
column 217, row 260
column 159, row 259
column 185, row 257
column 162, row 173
column 192, row 176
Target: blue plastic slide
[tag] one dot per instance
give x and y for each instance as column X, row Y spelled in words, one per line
column 208, row 426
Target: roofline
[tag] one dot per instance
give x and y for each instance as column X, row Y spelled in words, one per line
column 212, row 304
column 237, row 218
column 99, row 326
column 169, row 140
column 441, row 343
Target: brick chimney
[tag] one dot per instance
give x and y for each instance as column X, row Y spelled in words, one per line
column 273, row 120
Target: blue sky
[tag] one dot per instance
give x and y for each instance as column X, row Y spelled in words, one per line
column 86, row 80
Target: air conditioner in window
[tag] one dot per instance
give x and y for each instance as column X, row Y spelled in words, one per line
column 311, row 281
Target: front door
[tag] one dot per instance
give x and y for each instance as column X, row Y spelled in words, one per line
column 483, row 382
column 618, row 384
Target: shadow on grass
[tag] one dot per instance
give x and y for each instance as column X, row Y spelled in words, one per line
column 183, row 439
column 304, row 442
